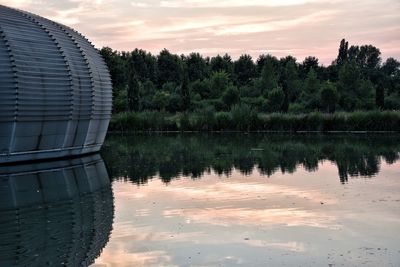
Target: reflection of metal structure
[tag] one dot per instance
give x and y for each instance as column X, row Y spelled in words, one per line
column 55, row 90
column 55, row 213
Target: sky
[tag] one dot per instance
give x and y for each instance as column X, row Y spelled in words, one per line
column 279, row 27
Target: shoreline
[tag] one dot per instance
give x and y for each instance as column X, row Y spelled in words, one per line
column 252, row 132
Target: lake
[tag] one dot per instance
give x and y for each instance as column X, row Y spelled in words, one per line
column 208, row 200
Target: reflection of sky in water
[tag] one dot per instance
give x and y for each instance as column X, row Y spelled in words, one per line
column 304, row 218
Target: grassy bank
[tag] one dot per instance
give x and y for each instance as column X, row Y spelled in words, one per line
column 244, row 119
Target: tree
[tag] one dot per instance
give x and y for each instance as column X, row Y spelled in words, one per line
column 308, row 64
column 352, row 53
column 380, row 93
column 146, row 93
column 185, row 93
column 116, row 66
column 170, row 68
column 223, row 63
column 365, row 97
column 261, row 62
column 120, row 101
column 312, row 82
column 343, row 52
column 263, row 59
column 289, row 80
column 197, row 68
column 355, row 92
column 161, row 100
column 391, row 67
column 269, row 77
column 391, row 71
column 145, row 65
column 170, row 87
column 309, row 95
column 328, row 97
column 348, row 84
column 201, row 88
column 142, row 81
column 369, row 57
column 219, row 81
column 231, row 96
column 133, row 92
column 244, row 69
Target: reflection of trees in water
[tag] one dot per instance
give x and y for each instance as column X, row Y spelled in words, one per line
column 55, row 213
column 141, row 157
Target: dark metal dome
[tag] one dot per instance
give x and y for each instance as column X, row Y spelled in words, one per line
column 55, row 89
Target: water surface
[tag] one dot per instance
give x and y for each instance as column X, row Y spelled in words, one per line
column 56, row 213
column 208, row 200
column 254, row 200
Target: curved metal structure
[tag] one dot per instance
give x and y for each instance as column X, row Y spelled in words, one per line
column 57, row 213
column 55, row 90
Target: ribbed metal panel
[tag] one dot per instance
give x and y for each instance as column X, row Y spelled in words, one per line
column 55, row 89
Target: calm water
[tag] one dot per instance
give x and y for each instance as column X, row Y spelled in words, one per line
column 208, row 200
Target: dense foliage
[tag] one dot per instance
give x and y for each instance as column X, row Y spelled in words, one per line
column 356, row 80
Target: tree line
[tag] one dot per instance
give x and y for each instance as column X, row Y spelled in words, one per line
column 357, row 79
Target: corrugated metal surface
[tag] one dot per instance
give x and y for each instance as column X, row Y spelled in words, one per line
column 56, row 213
column 55, row 90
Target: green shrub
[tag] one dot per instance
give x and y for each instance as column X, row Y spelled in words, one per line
column 161, row 99
column 329, row 97
column 296, row 108
column 255, row 102
column 184, row 122
column 392, row 102
column 335, row 122
column 174, row 103
column 275, row 99
column 239, row 115
column 203, row 120
column 231, row 96
column 313, row 122
column 223, row 121
column 244, row 118
column 120, row 101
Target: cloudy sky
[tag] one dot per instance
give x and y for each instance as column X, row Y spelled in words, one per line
column 278, row 27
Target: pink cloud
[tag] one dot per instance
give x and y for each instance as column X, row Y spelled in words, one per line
column 297, row 27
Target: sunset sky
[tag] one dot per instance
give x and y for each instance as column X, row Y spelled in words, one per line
column 279, row 27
